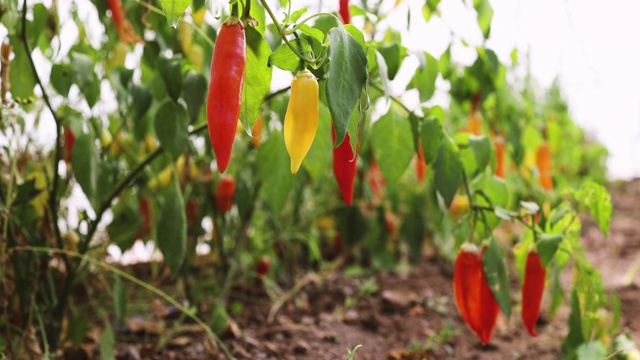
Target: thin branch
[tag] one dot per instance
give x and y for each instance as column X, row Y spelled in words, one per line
column 393, row 98
column 53, row 202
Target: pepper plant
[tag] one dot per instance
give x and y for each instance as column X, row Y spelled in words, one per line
column 126, row 157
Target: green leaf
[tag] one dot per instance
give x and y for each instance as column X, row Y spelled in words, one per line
column 319, row 158
column 597, row 199
column 219, row 318
column 21, row 75
column 120, row 300
column 195, row 89
column 389, row 139
column 171, row 122
column 258, row 13
column 171, row 227
column 413, row 227
column 84, row 161
column 275, row 172
column 61, row 78
column 425, row 77
column 393, row 55
column 497, row 276
column 78, row 328
column 171, row 71
column 258, row 75
column 496, row 193
column 26, row 192
column 286, row 59
column 85, row 77
column 141, row 100
column 481, row 147
column 485, row 14
column 429, row 8
column 174, row 9
column 10, row 16
column 297, row 14
column 547, row 246
column 347, row 74
column 353, row 226
column 431, row 134
column 126, row 223
column 107, row 343
column 575, row 336
column 447, row 170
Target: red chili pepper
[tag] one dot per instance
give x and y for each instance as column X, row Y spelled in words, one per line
column 474, row 298
column 344, row 166
column 390, row 223
column 145, row 213
column 225, row 89
column 532, row 290
column 345, row 12
column 376, row 179
column 262, row 269
column 224, row 193
column 421, row 165
column 192, row 211
column 498, row 143
column 123, row 26
column 69, row 140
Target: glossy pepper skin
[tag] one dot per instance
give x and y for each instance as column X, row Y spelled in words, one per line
column 543, row 163
column 345, row 12
column 301, row 120
column 225, row 89
column 224, row 193
column 123, row 26
column 344, row 166
column 474, row 298
column 532, row 290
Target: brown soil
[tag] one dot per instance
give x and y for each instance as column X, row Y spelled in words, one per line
column 413, row 315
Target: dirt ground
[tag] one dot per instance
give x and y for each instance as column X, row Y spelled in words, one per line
column 411, row 315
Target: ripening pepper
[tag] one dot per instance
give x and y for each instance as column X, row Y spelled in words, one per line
column 376, row 179
column 69, row 140
column 474, row 125
column 145, row 214
column 256, row 131
column 344, row 166
column 301, row 120
column 225, row 89
column 421, row 165
column 532, row 291
column 224, row 193
column 474, row 298
column 345, row 12
column 498, row 143
column 543, row 163
column 123, row 26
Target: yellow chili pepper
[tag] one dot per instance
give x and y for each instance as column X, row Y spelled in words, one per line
column 301, row 120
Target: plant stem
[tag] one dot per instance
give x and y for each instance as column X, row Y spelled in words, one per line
column 393, row 98
column 283, row 35
column 53, row 202
column 136, row 281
